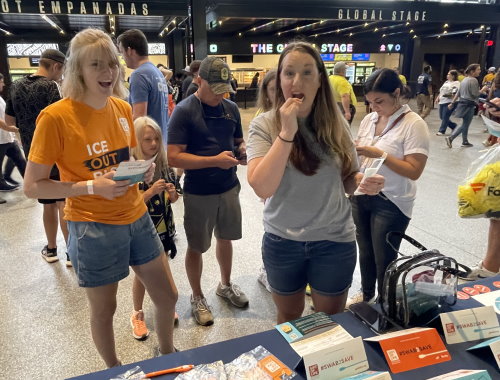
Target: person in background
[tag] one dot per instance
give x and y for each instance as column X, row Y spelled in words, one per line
column 468, row 95
column 110, row 229
column 190, row 71
column 401, row 138
column 494, row 93
column 8, row 148
column 234, row 86
column 489, row 266
column 424, row 91
column 402, row 78
column 158, row 198
column 343, row 92
column 461, row 75
column 302, row 161
column 148, row 87
column 28, row 97
column 446, row 94
column 265, row 101
column 206, row 139
column 255, row 81
column 194, row 68
column 488, row 78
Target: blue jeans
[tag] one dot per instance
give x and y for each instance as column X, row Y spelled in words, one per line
column 464, row 128
column 374, row 217
column 444, row 115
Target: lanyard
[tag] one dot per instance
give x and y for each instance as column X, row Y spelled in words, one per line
column 386, row 130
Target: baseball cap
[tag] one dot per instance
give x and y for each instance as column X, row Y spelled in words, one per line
column 491, row 69
column 218, row 75
column 54, row 55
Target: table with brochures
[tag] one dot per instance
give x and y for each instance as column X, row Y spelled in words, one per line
column 277, row 345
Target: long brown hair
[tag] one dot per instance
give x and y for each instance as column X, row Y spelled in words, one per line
column 329, row 125
column 263, row 101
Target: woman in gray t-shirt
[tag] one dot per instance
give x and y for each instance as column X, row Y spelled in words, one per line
column 302, row 161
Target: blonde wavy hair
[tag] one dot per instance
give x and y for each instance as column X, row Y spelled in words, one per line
column 92, row 43
column 331, row 128
column 140, row 125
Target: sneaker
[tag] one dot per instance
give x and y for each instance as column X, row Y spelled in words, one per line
column 50, row 255
column 448, row 141
column 466, row 144
column 233, row 293
column 139, row 328
column 11, row 181
column 439, row 134
column 263, row 279
column 478, row 272
column 201, row 311
column 357, row 298
column 4, row 186
column 68, row 261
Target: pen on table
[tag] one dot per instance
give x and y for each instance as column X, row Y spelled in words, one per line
column 182, row 368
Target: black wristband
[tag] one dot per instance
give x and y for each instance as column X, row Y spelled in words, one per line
column 287, row 141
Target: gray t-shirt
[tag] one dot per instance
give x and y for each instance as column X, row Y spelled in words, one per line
column 469, row 89
column 303, row 208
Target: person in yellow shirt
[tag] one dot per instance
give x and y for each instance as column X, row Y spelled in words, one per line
column 461, row 75
column 343, row 92
column 488, row 78
column 88, row 134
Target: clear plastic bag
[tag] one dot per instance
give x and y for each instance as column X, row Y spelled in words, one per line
column 479, row 195
column 211, row 371
column 258, row 364
column 135, row 373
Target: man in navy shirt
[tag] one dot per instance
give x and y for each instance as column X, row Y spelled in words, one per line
column 424, row 90
column 205, row 138
column 148, row 87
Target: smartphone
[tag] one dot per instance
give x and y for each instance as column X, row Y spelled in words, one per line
column 372, row 317
column 490, row 104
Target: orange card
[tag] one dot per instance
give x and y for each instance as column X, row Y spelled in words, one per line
column 413, row 348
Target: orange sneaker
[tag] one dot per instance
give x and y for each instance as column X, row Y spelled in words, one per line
column 139, row 328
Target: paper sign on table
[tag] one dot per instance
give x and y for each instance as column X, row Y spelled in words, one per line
column 370, row 375
column 132, row 170
column 470, row 324
column 493, row 344
column 413, row 348
column 464, row 374
column 490, row 299
column 336, row 362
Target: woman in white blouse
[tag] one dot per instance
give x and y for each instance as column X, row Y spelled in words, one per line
column 445, row 97
column 401, row 137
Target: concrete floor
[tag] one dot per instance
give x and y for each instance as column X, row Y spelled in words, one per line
column 45, row 330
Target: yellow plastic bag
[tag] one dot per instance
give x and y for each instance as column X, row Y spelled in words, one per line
column 479, row 195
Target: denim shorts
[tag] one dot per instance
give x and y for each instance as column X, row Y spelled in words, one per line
column 102, row 253
column 326, row 265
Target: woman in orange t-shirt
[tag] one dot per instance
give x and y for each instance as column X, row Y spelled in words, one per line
column 87, row 134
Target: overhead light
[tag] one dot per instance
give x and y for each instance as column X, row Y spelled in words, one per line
column 383, row 35
column 444, row 32
column 52, row 23
column 350, row 34
column 445, row 25
column 338, row 30
column 239, row 34
column 315, row 35
column 438, row 36
column 482, row 26
column 279, row 33
column 6, row 32
column 415, row 36
column 407, row 23
column 220, row 22
column 254, row 29
column 411, row 30
column 376, row 29
column 366, row 24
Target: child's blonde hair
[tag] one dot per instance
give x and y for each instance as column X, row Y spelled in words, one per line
column 140, row 125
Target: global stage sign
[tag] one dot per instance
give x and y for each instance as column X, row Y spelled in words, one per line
column 270, row 48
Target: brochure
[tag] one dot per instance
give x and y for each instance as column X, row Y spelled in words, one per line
column 413, row 348
column 489, row 299
column 133, row 170
column 470, row 324
column 464, row 374
column 493, row 344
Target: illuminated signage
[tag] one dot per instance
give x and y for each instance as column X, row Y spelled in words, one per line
column 156, row 48
column 361, row 57
column 26, row 50
column 213, row 48
column 267, row 48
column 75, row 7
column 343, row 57
column 390, row 48
column 336, row 48
column 380, row 15
column 328, row 57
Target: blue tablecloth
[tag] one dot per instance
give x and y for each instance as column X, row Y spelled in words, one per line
column 274, row 342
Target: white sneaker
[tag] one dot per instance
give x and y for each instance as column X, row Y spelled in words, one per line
column 478, row 272
column 263, row 279
column 357, row 298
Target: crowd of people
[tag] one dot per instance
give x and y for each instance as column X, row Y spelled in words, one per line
column 299, row 143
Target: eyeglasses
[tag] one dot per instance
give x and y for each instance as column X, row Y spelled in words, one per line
column 225, row 115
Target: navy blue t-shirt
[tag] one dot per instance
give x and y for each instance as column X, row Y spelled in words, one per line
column 206, row 131
column 423, row 82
